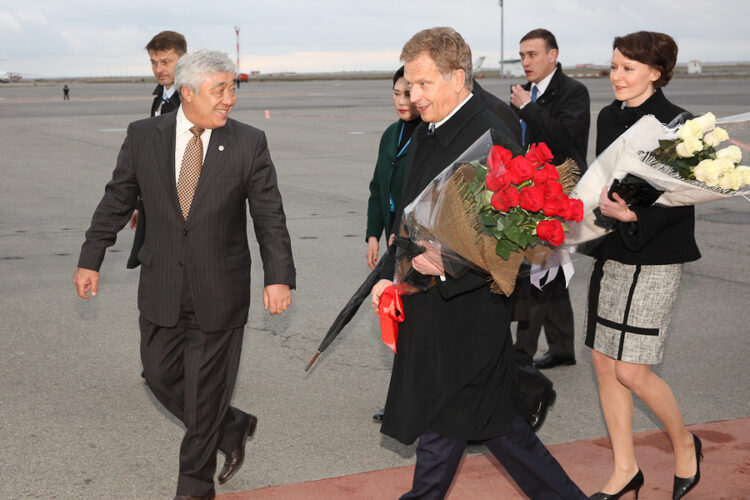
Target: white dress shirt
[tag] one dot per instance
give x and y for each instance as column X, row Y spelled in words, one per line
column 455, row 110
column 183, row 137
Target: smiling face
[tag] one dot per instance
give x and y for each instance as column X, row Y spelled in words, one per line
column 632, row 81
column 434, row 96
column 406, row 110
column 537, row 59
column 210, row 108
column 162, row 64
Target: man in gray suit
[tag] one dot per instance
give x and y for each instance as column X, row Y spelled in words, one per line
column 196, row 170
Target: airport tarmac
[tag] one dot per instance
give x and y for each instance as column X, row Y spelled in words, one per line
column 77, row 421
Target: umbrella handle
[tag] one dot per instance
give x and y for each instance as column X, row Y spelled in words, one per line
column 312, row 361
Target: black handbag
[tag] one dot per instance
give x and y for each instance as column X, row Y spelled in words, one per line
column 634, row 191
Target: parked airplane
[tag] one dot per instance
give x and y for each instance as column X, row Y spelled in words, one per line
column 9, row 76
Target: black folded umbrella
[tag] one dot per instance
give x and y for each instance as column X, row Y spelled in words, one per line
column 351, row 307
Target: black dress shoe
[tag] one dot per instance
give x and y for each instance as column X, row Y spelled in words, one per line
column 684, row 484
column 539, row 414
column 210, row 496
column 550, row 360
column 234, row 460
column 378, row 417
column 634, row 485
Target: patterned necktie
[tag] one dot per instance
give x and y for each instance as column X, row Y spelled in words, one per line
column 190, row 172
column 431, row 129
column 534, row 93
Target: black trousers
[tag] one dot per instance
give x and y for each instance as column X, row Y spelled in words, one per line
column 549, row 308
column 192, row 373
column 525, row 458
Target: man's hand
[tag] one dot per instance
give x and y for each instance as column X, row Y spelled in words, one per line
column 85, row 281
column 134, row 220
column 617, row 209
column 377, row 291
column 276, row 298
column 372, row 251
column 519, row 96
column 430, row 262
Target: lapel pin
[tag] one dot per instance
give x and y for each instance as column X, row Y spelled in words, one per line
column 221, row 148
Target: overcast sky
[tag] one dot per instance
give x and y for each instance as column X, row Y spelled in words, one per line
column 106, row 38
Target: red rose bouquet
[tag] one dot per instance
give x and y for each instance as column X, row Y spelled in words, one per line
column 490, row 209
column 520, row 200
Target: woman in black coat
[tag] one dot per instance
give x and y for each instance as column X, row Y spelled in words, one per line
column 388, row 179
column 636, row 276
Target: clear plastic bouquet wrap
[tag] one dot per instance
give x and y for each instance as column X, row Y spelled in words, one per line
column 675, row 165
column 488, row 210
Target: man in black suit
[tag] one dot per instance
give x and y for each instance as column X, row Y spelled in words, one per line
column 453, row 377
column 164, row 50
column 197, row 171
column 553, row 109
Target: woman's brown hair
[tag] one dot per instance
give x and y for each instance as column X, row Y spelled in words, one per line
column 657, row 50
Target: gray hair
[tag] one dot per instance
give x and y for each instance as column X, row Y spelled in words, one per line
column 192, row 68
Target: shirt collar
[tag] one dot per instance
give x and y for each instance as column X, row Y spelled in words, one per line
column 542, row 86
column 183, row 124
column 454, row 111
column 168, row 92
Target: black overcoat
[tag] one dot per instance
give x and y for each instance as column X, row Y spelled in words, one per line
column 560, row 118
column 662, row 235
column 454, row 371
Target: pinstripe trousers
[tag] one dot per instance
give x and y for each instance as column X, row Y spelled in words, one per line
column 192, row 373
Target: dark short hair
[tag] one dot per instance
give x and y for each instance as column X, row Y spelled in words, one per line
column 168, row 40
column 656, row 50
column 447, row 49
column 545, row 35
column 398, row 74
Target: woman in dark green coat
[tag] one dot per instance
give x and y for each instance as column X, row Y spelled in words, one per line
column 388, row 178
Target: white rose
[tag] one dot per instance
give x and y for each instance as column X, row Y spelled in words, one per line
column 690, row 129
column 731, row 180
column 706, row 122
column 689, row 147
column 716, row 137
column 732, row 153
column 705, row 172
column 745, row 171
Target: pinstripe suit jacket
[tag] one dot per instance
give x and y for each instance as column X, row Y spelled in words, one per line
column 211, row 246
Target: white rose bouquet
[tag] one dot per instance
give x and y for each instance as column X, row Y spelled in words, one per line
column 683, row 165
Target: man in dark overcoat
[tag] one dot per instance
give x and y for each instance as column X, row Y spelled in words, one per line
column 553, row 109
column 453, row 375
column 198, row 172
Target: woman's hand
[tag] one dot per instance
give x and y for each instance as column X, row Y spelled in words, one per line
column 430, row 262
column 617, row 209
column 377, row 291
column 372, row 251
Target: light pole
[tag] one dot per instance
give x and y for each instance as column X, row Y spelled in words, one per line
column 237, row 33
column 502, row 58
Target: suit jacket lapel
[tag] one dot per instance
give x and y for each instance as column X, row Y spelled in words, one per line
column 164, row 144
column 218, row 149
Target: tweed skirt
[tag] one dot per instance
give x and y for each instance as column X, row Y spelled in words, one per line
column 629, row 308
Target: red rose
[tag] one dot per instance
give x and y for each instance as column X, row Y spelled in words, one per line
column 496, row 182
column 498, row 159
column 539, row 153
column 552, row 188
column 551, row 231
column 545, row 173
column 504, row 200
column 575, row 210
column 553, row 205
column 520, row 169
column 532, row 198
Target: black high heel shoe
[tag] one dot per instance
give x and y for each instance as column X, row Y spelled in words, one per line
column 634, row 485
column 684, row 484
